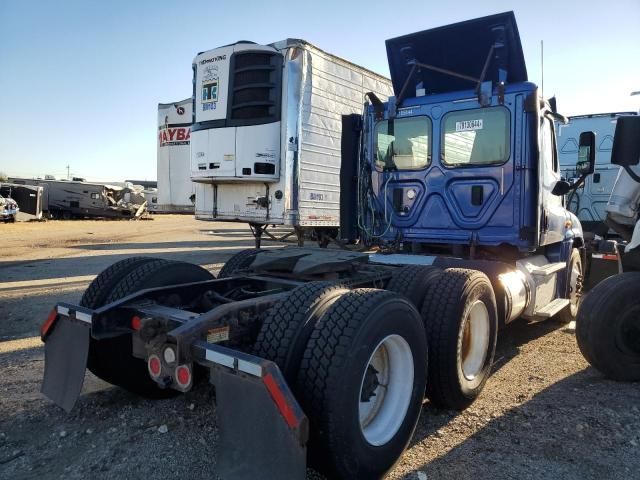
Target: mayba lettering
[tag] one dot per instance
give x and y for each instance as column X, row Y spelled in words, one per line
column 213, row 59
column 169, row 136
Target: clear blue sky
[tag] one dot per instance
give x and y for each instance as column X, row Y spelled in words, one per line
column 80, row 80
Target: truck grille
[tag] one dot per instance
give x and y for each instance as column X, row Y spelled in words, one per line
column 256, row 87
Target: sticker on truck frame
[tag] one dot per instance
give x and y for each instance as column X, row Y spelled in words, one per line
column 469, row 125
column 218, row 334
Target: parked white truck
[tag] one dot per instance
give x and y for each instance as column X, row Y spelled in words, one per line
column 176, row 192
column 608, row 321
column 266, row 133
column 589, row 201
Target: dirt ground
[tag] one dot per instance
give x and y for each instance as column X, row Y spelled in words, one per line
column 543, row 414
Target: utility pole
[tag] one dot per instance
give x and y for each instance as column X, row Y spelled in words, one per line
column 68, row 177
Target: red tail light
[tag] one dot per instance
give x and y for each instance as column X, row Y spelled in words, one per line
column 48, row 323
column 183, row 376
column 136, row 322
column 154, row 365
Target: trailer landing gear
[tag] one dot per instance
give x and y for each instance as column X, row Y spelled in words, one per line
column 257, row 229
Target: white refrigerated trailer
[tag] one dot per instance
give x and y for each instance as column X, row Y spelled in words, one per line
column 266, row 133
column 175, row 192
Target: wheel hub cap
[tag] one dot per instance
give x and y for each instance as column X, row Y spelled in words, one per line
column 385, row 390
column 475, row 340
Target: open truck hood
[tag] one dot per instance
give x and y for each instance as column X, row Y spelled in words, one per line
column 462, row 48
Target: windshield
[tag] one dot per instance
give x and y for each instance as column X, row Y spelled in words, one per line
column 403, row 143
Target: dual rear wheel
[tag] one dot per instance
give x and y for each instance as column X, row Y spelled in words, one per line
column 112, row 359
column 359, row 360
column 460, row 316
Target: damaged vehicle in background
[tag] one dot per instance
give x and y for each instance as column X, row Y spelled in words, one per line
column 8, row 209
column 64, row 199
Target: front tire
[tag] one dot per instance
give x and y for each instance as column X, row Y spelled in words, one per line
column 461, row 321
column 576, row 282
column 608, row 327
column 361, row 382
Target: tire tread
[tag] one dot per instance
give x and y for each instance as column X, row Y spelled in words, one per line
column 237, row 262
column 284, row 321
column 442, row 305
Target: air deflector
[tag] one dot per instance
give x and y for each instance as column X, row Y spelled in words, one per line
column 462, row 48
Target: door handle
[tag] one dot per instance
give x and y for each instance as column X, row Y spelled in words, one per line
column 477, row 195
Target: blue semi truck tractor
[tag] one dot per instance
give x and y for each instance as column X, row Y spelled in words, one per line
column 324, row 357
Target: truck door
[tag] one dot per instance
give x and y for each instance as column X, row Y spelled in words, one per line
column 552, row 213
column 601, row 183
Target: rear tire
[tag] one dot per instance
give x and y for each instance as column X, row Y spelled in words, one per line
column 413, row 281
column 239, row 261
column 158, row 273
column 461, row 321
column 287, row 326
column 366, row 340
column 608, row 327
column 112, row 359
column 99, row 289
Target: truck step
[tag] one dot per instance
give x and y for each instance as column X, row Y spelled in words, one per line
column 552, row 308
column 548, row 269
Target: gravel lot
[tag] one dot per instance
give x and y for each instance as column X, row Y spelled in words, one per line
column 543, row 414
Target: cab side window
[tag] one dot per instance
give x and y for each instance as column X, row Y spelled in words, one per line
column 548, row 152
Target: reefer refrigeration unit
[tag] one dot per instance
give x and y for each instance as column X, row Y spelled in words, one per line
column 266, row 133
column 175, row 190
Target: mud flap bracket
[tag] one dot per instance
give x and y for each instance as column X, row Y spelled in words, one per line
column 263, row 432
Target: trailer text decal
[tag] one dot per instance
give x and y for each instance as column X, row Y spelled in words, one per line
column 174, row 136
column 210, row 88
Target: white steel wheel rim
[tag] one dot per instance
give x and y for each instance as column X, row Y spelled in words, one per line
column 475, row 340
column 383, row 413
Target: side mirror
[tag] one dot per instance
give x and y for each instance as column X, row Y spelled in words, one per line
column 586, row 154
column 562, row 187
column 626, row 143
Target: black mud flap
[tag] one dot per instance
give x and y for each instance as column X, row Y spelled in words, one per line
column 65, row 361
column 260, row 435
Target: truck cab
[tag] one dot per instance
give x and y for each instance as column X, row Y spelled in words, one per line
column 464, row 157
